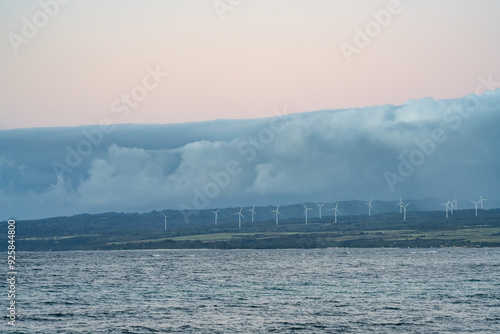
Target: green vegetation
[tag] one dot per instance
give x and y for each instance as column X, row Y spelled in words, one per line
column 135, row 231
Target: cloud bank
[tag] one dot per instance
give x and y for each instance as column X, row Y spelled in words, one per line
column 425, row 148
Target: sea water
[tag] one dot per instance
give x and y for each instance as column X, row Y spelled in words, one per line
column 446, row 290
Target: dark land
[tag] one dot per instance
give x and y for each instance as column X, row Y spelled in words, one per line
column 113, row 231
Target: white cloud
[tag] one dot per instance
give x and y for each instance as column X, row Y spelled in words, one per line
column 317, row 156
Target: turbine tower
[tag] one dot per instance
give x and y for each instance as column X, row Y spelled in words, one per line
column 452, row 205
column 369, row 207
column 240, row 215
column 404, row 210
column 336, row 211
column 447, row 204
column 475, row 204
column 305, row 210
column 400, row 205
column 319, row 206
column 252, row 210
column 277, row 211
column 164, row 215
column 482, row 200
column 216, row 213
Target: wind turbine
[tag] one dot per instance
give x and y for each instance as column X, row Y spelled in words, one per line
column 369, row 207
column 277, row 211
column 164, row 215
column 252, row 210
column 240, row 215
column 336, row 211
column 305, row 210
column 400, row 205
column 319, row 206
column 216, row 213
column 404, row 210
column 482, row 200
column 447, row 204
column 452, row 205
column 475, row 204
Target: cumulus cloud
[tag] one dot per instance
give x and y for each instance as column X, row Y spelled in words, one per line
column 425, row 148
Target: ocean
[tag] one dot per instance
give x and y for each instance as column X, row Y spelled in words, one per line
column 445, row 290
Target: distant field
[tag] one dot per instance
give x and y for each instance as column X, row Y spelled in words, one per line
column 63, row 237
column 209, row 237
column 426, row 229
column 471, row 234
column 226, row 236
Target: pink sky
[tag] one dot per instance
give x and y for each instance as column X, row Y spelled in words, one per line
column 263, row 55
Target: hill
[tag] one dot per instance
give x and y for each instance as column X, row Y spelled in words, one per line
column 146, row 231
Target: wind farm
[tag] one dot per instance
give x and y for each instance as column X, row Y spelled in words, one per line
column 342, row 224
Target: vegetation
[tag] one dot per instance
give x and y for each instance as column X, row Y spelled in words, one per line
column 146, row 231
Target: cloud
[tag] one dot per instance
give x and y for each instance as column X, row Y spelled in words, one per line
column 447, row 148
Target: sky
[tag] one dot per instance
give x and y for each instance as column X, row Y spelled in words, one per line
column 72, row 63
column 133, row 106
